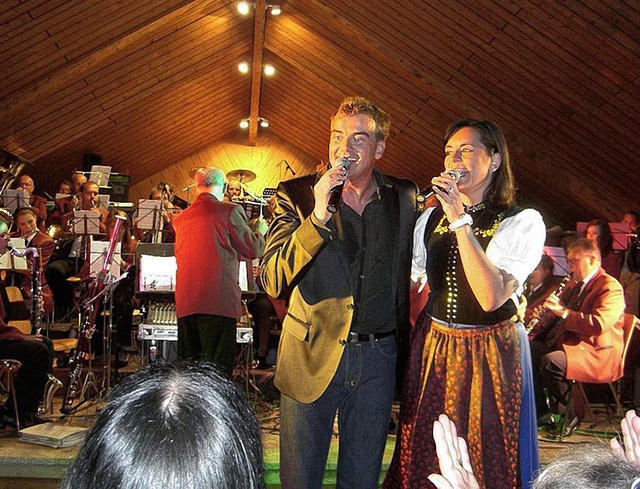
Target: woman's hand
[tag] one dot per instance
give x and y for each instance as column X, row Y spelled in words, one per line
column 449, row 196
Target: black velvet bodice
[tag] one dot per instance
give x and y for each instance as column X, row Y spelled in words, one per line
column 451, row 298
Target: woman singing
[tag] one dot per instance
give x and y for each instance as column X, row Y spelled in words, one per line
column 470, row 356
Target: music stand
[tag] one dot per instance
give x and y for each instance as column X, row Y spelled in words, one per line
column 150, row 218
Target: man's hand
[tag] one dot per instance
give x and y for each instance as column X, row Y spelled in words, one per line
column 322, row 191
column 553, row 305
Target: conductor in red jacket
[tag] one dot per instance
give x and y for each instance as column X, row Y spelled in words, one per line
column 211, row 237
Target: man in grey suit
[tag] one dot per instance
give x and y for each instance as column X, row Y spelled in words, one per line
column 347, row 278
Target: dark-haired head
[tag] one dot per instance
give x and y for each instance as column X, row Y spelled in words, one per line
column 501, row 190
column 172, row 427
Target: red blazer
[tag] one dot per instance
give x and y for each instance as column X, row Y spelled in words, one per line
column 211, row 238
column 593, row 338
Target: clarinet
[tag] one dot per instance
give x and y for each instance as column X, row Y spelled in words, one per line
column 90, row 312
column 36, row 288
column 537, row 316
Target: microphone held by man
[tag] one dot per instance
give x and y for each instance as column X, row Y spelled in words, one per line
column 336, row 192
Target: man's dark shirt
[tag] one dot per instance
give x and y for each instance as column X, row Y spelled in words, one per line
column 367, row 247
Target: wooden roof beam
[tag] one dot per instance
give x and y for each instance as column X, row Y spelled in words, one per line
column 259, row 23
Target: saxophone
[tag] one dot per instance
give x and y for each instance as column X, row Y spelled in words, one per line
column 537, row 315
column 89, row 312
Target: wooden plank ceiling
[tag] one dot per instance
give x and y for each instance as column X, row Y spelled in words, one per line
column 148, row 83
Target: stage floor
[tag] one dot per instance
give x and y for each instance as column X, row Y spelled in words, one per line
column 30, row 466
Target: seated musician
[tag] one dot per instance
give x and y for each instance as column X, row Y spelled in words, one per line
column 580, row 336
column 169, row 211
column 234, row 191
column 538, row 286
column 78, row 179
column 173, row 199
column 37, row 203
column 25, row 219
column 61, row 205
column 88, row 201
column 60, row 270
column 36, row 355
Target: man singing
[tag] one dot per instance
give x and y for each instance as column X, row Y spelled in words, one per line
column 211, row 236
column 347, row 278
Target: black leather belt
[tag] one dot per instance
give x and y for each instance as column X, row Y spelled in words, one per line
column 361, row 338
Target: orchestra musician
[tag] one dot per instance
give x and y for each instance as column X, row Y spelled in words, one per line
column 61, row 205
column 580, row 336
column 25, row 219
column 37, row 203
column 234, row 191
column 538, row 286
column 60, row 270
column 211, row 237
column 36, row 355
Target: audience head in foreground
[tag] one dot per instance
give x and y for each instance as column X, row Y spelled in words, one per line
column 172, row 427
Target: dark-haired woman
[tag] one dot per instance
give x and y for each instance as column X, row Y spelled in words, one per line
column 469, row 354
column 600, row 232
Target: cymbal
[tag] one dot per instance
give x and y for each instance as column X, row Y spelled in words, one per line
column 242, row 175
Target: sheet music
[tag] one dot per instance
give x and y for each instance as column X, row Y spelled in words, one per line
column 12, row 262
column 100, row 175
column 157, row 273
column 62, row 196
column 13, row 199
column 103, row 202
column 86, row 222
column 559, row 257
column 98, row 253
column 149, row 214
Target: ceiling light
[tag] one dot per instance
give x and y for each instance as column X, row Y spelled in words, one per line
column 244, row 7
column 275, row 9
column 244, row 124
column 243, row 67
column 263, row 122
column 269, row 70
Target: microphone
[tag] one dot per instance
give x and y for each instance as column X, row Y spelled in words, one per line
column 336, row 192
column 286, row 163
column 453, row 173
column 189, row 187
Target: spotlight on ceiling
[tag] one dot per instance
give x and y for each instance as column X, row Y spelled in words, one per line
column 263, row 122
column 244, row 7
column 244, row 124
column 269, row 70
column 275, row 9
column 243, row 67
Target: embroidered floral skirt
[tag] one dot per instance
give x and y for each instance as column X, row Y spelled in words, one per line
column 475, row 376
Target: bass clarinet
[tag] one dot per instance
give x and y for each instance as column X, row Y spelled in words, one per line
column 89, row 312
column 541, row 311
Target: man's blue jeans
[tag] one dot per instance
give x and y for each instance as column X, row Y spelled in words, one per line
column 362, row 393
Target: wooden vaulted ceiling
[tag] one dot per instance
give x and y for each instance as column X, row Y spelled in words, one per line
column 148, row 83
